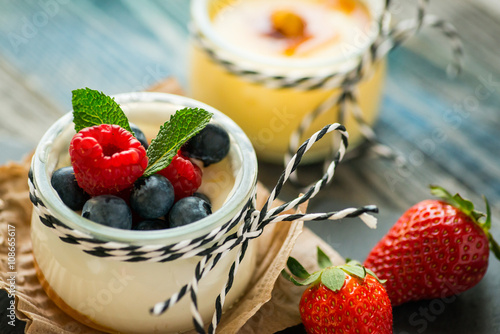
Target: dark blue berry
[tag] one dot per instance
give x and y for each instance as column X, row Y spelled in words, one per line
column 108, row 210
column 188, row 210
column 203, row 197
column 152, row 197
column 210, row 145
column 139, row 135
column 64, row 182
column 152, row 224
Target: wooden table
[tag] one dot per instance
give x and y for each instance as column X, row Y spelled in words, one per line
column 449, row 130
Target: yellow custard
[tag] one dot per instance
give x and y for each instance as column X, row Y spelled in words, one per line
column 289, row 38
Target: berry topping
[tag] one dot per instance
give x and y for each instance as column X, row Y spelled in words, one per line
column 152, row 197
column 106, row 159
column 184, row 176
column 210, row 145
column 141, row 137
column 150, row 225
column 108, row 210
column 64, row 182
column 188, row 210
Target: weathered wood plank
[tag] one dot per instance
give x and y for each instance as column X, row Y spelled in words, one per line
column 25, row 114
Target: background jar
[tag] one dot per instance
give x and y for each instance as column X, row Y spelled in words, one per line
column 270, row 114
column 114, row 295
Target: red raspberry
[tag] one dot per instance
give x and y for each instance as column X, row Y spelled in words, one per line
column 184, row 176
column 107, row 159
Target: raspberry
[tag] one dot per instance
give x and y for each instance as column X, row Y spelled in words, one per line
column 107, row 159
column 184, row 176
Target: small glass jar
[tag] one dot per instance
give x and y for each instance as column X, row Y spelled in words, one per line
column 268, row 112
column 116, row 296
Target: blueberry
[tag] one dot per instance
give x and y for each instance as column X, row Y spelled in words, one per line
column 210, row 145
column 152, row 197
column 64, row 182
column 139, row 135
column 203, row 197
column 108, row 210
column 188, row 210
column 152, row 224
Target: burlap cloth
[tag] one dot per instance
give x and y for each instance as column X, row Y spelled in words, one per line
column 269, row 305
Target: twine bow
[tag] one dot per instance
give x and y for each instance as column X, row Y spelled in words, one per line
column 254, row 223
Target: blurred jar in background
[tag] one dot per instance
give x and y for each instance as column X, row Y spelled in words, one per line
column 269, row 63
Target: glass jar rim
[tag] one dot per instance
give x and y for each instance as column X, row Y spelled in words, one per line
column 244, row 186
column 201, row 20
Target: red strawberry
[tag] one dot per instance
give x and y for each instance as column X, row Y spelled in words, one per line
column 436, row 249
column 184, row 176
column 107, row 159
column 342, row 299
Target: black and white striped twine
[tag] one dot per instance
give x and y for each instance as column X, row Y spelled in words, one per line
column 215, row 245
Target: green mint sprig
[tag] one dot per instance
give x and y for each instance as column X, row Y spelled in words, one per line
column 183, row 125
column 91, row 107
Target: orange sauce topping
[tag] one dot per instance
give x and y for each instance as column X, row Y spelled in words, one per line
column 286, row 24
column 346, row 6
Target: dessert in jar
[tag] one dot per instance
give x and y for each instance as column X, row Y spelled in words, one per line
column 116, row 295
column 289, row 41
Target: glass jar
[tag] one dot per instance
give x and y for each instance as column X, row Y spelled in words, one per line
column 114, row 295
column 269, row 112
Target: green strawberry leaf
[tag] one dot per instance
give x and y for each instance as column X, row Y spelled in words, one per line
column 354, row 270
column 309, row 280
column 296, row 268
column 487, row 222
column 323, row 259
column 91, row 107
column 350, row 262
column 183, row 125
column 440, row 192
column 333, row 278
column 381, row 281
column 286, row 275
column 466, row 206
column 495, row 248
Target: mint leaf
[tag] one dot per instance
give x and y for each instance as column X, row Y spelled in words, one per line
column 91, row 107
column 183, row 125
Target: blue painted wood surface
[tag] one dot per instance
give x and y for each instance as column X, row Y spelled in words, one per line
column 449, row 130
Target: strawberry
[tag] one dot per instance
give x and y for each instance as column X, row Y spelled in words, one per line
column 436, row 249
column 341, row 299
